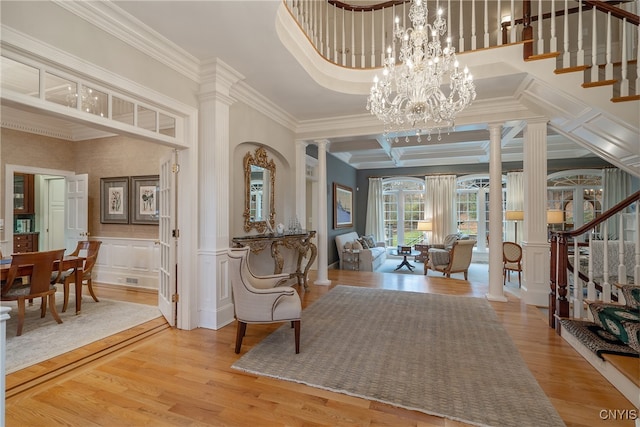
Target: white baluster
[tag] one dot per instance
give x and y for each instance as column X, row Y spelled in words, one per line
column 326, row 35
column 499, row 12
column 606, row 286
column 608, row 68
column 512, row 28
column 353, row 39
column 486, row 24
column 461, row 41
column 580, row 53
column 362, row 56
column 373, row 40
column 344, row 36
column 594, row 46
column 473, row 25
column 382, row 40
column 577, row 283
column 637, row 86
column 540, row 30
column 334, row 48
column 591, row 287
column 553, row 40
column 622, row 270
column 449, row 19
column 624, row 81
column 566, row 56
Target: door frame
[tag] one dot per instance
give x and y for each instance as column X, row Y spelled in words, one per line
column 8, row 193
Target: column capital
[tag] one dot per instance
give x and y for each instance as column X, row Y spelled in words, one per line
column 217, row 77
column 322, row 143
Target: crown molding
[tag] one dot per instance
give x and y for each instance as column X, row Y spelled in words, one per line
column 115, row 21
column 245, row 93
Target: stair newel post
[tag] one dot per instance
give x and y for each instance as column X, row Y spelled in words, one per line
column 527, row 30
column 562, row 303
column 552, row 280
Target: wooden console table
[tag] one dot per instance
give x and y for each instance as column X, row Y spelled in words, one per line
column 300, row 242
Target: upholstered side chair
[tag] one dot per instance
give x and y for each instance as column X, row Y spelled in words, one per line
column 458, row 260
column 511, row 261
column 259, row 299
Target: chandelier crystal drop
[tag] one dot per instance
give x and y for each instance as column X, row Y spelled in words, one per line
column 408, row 96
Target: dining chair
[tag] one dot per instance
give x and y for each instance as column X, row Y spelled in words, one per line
column 92, row 248
column 258, row 299
column 38, row 268
column 511, row 261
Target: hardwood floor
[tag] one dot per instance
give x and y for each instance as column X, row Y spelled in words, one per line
column 155, row 375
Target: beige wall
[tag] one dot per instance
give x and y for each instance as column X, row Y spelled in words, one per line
column 104, row 157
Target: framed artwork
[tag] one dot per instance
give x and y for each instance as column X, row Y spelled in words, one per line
column 114, row 200
column 144, row 199
column 342, row 206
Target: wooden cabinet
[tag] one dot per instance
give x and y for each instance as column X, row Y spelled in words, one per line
column 23, row 193
column 27, row 242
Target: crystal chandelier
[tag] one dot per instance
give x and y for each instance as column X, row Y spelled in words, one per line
column 88, row 100
column 409, row 94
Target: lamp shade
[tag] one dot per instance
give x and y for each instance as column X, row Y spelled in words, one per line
column 425, row 225
column 555, row 217
column 514, row 215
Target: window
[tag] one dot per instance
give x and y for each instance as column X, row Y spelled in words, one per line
column 472, row 203
column 403, row 208
column 578, row 194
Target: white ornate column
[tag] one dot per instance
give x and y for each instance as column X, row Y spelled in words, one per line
column 323, row 266
column 536, row 255
column 215, row 306
column 496, row 291
column 301, row 182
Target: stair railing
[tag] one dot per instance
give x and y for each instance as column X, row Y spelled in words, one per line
column 568, row 253
column 594, row 36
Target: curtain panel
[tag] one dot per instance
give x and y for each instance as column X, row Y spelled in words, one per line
column 375, row 211
column 440, row 205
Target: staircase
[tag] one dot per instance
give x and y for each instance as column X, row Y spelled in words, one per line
column 581, row 62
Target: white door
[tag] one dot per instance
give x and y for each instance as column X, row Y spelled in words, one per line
column 55, row 214
column 167, row 289
column 76, row 210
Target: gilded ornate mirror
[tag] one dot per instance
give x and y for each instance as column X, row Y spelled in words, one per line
column 259, row 184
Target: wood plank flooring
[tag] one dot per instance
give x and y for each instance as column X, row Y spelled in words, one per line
column 155, row 375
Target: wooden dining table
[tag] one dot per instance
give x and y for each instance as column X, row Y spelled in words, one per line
column 68, row 262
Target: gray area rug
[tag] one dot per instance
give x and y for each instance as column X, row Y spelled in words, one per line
column 43, row 338
column 441, row 355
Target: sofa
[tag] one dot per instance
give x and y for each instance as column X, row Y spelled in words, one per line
column 370, row 257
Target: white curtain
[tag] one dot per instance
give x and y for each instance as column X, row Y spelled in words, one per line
column 375, row 211
column 440, row 205
column 616, row 186
column 515, row 202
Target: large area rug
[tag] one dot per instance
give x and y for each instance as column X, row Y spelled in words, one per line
column 42, row 339
column 441, row 355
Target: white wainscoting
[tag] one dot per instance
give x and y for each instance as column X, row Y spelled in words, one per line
column 127, row 262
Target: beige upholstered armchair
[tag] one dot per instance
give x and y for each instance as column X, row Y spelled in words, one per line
column 440, row 252
column 455, row 261
column 259, row 299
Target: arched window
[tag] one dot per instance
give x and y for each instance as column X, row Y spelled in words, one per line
column 578, row 194
column 403, row 208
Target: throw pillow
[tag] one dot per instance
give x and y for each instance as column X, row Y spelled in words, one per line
column 356, row 245
column 363, row 242
column 370, row 241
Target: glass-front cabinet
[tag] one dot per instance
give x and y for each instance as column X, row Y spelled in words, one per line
column 23, row 197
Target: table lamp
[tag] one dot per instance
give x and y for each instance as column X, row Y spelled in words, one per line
column 424, row 226
column 514, row 216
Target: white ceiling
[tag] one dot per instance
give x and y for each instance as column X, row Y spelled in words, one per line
column 243, row 35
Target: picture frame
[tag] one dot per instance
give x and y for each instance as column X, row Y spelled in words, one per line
column 114, row 200
column 342, row 206
column 144, row 199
